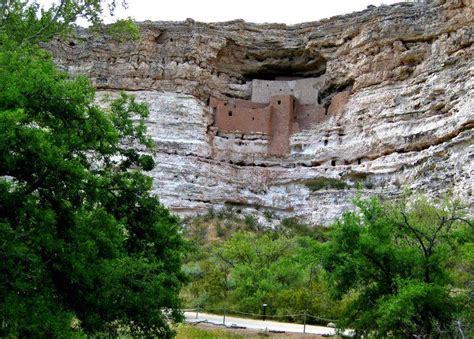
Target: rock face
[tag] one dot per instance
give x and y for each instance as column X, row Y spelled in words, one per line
column 397, row 87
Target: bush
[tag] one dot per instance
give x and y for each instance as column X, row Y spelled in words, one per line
column 326, row 183
column 293, row 227
column 124, row 29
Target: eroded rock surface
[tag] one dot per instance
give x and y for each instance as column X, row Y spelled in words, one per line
column 398, row 88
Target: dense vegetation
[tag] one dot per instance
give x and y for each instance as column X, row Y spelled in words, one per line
column 85, row 248
column 405, row 266
column 239, row 265
column 404, row 269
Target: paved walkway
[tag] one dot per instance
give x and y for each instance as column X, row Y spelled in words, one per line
column 270, row 325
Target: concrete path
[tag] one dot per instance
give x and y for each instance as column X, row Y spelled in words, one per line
column 270, row 325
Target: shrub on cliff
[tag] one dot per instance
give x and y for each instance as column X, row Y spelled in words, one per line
column 124, row 29
column 84, row 246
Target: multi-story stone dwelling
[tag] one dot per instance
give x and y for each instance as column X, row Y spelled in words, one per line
column 278, row 108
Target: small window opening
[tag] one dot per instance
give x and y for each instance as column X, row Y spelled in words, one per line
column 333, row 162
column 279, row 102
column 359, row 161
column 325, row 142
column 253, row 118
column 297, row 148
column 230, row 113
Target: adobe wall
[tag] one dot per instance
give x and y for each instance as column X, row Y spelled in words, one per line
column 310, row 115
column 338, row 103
column 283, row 122
column 213, row 102
column 306, row 91
column 241, row 116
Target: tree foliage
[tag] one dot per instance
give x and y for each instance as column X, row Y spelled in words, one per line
column 84, row 246
column 248, row 266
column 26, row 22
column 388, row 269
column 124, row 29
column 398, row 262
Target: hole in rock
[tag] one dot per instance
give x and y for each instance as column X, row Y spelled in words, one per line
column 269, row 62
column 161, row 38
column 276, row 69
column 328, row 92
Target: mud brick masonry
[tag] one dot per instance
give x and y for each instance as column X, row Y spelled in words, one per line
column 278, row 108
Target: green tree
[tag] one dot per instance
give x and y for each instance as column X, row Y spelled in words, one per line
column 84, row 246
column 396, row 262
column 249, row 269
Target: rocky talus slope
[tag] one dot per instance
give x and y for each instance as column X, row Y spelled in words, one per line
column 408, row 122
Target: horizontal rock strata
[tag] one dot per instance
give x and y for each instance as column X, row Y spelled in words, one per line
column 398, row 90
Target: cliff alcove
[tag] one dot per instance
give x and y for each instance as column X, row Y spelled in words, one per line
column 269, row 62
column 388, row 74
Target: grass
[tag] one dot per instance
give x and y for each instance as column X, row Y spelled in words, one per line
column 187, row 331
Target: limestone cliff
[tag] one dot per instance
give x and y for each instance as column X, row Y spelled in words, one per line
column 397, row 84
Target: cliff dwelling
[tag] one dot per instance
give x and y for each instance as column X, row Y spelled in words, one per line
column 277, row 108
